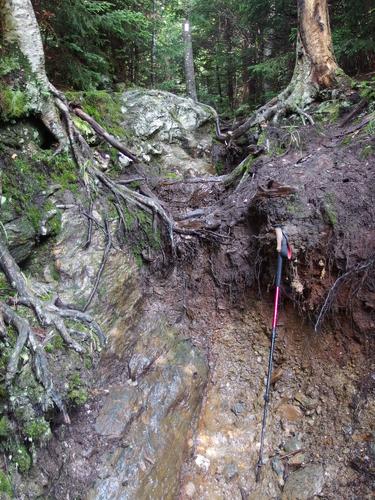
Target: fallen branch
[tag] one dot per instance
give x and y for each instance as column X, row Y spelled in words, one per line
column 99, row 130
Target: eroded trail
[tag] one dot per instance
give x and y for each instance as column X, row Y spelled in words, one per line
column 177, row 401
column 313, row 431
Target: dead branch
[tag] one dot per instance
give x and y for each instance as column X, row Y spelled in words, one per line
column 89, row 229
column 99, row 130
column 363, row 123
column 357, row 109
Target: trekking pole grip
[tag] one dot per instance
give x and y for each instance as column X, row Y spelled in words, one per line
column 279, row 238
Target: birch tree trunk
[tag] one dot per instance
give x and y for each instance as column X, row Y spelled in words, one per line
column 191, row 88
column 20, row 31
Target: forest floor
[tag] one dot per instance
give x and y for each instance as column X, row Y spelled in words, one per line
column 320, row 431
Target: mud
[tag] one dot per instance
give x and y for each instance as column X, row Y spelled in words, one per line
column 176, row 404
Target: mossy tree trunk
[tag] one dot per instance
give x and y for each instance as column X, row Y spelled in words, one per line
column 22, row 42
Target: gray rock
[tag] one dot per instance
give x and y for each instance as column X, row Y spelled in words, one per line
column 159, row 411
column 292, row 444
column 239, row 408
column 230, row 471
column 278, row 468
column 153, row 112
column 173, row 130
column 304, row 483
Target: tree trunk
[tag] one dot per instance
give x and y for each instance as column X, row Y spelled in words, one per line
column 20, row 29
column 228, row 33
column 316, row 68
column 316, row 65
column 153, row 45
column 191, row 88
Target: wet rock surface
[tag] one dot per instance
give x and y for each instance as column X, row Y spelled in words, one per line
column 176, row 402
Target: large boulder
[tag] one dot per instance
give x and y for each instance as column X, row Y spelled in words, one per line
column 173, row 131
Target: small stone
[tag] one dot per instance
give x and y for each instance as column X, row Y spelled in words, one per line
column 290, row 412
column 190, row 489
column 292, row 444
column 297, row 459
column 230, row 471
column 202, row 462
column 239, row 408
column 304, row 483
column 278, row 468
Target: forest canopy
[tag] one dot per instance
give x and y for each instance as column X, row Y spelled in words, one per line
column 244, row 51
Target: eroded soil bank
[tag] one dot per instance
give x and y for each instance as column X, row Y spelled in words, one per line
column 176, row 400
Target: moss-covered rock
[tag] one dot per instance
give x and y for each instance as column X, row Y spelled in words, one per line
column 27, row 212
column 22, row 458
column 37, row 430
column 5, row 485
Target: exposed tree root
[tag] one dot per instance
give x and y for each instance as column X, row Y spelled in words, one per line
column 48, row 315
column 40, row 365
column 360, row 268
column 102, row 265
column 103, row 133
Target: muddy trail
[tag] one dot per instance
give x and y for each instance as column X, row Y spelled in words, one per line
column 177, row 400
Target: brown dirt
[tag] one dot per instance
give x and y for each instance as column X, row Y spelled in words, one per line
column 220, row 297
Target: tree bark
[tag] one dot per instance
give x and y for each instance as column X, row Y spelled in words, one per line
column 191, row 88
column 153, row 45
column 228, row 33
column 315, row 61
column 315, row 69
column 20, row 27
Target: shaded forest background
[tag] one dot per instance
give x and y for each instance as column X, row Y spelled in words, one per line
column 244, row 51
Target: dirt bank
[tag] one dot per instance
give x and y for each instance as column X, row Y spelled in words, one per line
column 176, row 403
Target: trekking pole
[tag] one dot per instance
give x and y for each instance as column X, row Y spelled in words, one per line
column 283, row 251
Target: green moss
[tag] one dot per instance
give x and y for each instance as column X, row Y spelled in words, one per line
column 4, row 426
column 138, row 225
column 6, row 290
column 54, row 225
column 219, row 167
column 77, row 393
column 34, row 215
column 104, row 107
column 347, row 140
column 5, row 484
column 56, row 344
column 62, row 169
column 328, row 111
column 370, row 127
column 22, row 458
column 37, row 430
column 367, row 152
column 78, row 396
column 8, row 64
column 14, row 103
column 367, row 89
column 88, row 363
